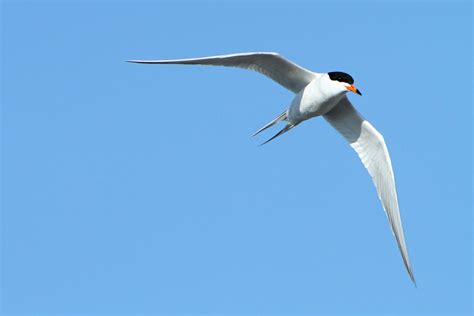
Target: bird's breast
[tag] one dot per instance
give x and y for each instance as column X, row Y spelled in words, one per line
column 311, row 102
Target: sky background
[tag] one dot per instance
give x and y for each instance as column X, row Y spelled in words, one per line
column 137, row 189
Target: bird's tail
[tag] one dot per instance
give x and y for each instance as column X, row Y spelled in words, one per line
column 282, row 117
column 279, row 118
column 283, row 131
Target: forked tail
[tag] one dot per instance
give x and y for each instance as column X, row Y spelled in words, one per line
column 282, row 117
column 283, row 131
column 279, row 118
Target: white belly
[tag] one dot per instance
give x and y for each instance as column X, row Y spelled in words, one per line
column 311, row 102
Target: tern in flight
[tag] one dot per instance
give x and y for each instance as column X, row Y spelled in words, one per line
column 322, row 94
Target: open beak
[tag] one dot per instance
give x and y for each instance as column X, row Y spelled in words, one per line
column 353, row 89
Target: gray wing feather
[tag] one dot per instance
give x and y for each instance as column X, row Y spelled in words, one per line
column 370, row 146
column 272, row 65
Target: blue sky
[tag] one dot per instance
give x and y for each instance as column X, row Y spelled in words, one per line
column 135, row 189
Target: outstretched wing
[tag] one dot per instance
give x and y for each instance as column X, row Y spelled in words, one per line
column 370, row 146
column 283, row 71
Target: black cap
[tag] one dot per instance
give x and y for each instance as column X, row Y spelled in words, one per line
column 341, row 76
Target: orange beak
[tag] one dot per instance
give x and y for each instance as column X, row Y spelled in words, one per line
column 353, row 89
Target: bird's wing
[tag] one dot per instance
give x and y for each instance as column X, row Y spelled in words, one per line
column 370, row 146
column 283, row 71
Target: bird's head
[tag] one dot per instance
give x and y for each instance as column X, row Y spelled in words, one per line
column 342, row 82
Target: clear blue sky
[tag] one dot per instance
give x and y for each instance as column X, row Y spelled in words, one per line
column 137, row 189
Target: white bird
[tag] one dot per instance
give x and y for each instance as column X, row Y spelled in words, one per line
column 322, row 94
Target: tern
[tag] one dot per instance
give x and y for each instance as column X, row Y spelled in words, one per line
column 322, row 94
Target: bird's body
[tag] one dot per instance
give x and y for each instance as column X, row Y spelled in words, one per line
column 314, row 100
column 322, row 94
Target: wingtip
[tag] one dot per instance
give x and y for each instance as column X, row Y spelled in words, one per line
column 412, row 277
column 410, row 273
